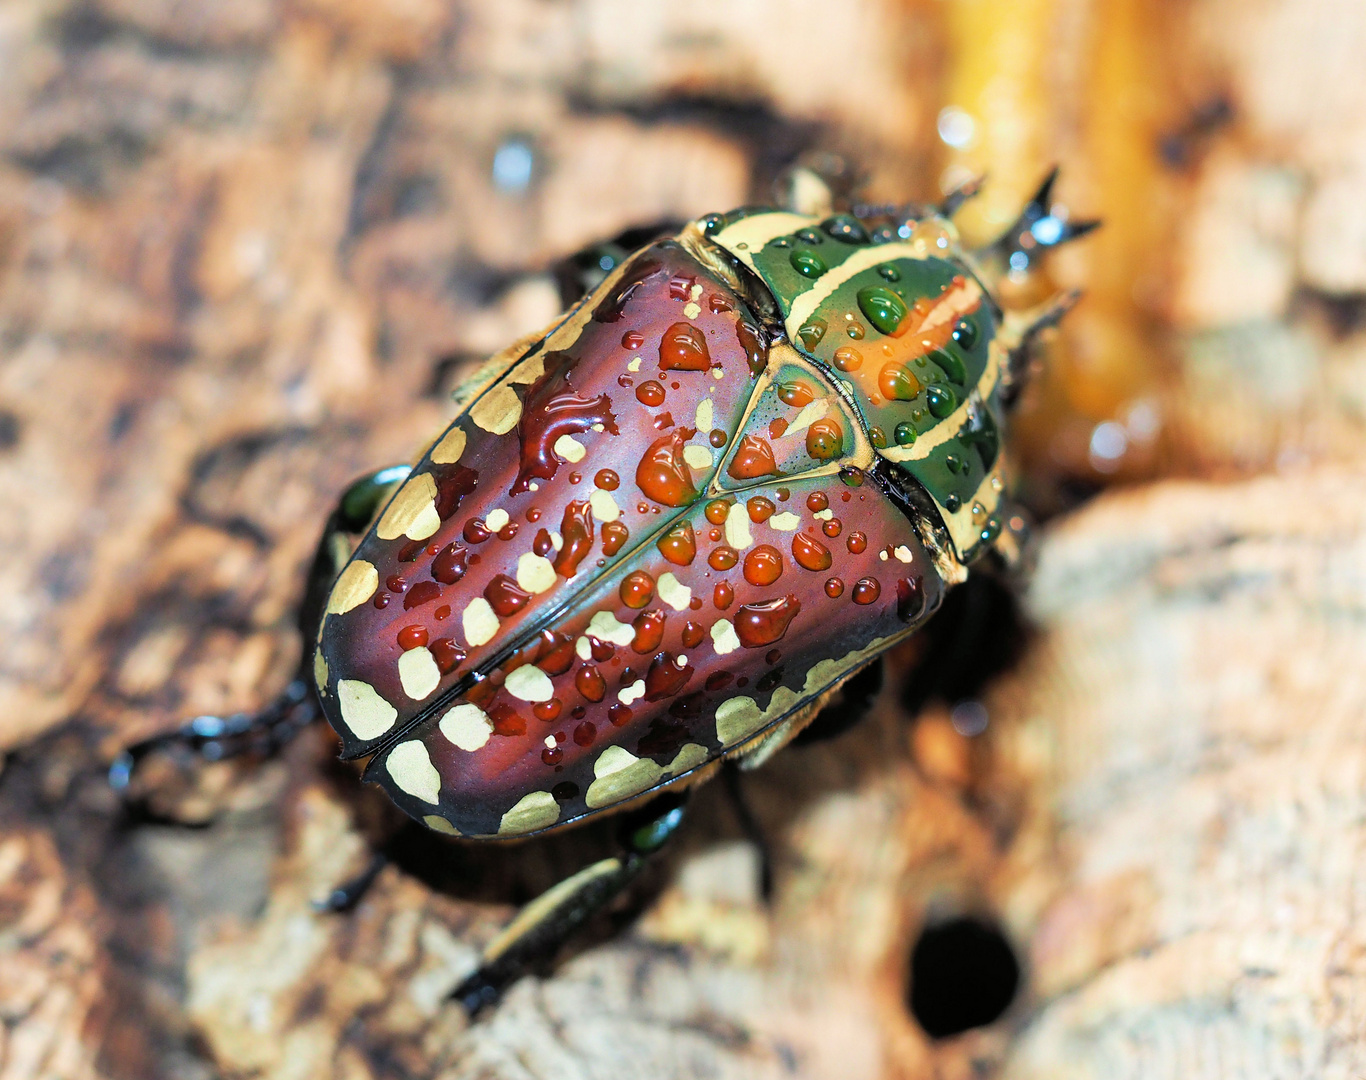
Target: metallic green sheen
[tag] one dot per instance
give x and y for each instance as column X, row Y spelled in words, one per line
column 882, row 307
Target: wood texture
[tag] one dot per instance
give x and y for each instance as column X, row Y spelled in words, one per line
column 245, row 251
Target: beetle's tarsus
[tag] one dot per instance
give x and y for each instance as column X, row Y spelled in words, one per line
column 749, row 825
column 350, row 893
column 214, row 738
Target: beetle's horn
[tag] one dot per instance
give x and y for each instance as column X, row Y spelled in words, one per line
column 1018, row 334
column 1037, row 229
column 954, row 200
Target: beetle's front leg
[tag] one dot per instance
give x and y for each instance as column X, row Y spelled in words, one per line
column 538, row 931
column 264, row 732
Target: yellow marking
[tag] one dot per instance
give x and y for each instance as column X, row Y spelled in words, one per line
column 606, row 627
column 691, row 311
column 556, row 541
column 824, row 515
column 635, row 691
column 320, row 671
column 676, row 595
column 691, row 756
column 804, row 305
column 736, row 718
column 738, row 535
column 496, row 520
column 451, row 446
column 583, row 648
column 413, row 772
column 811, row 412
column 534, row 573
column 604, row 506
column 363, row 711
column 902, row 553
column 356, row 585
column 704, row 417
column 529, row 370
column 479, row 622
column 634, row 365
column 529, row 683
column 619, row 776
column 751, row 234
column 467, row 727
column 437, row 823
column 723, row 637
column 784, row 522
column 570, row 449
column 535, row 810
column 697, row 457
column 418, row 673
column 498, row 411
column 412, row 511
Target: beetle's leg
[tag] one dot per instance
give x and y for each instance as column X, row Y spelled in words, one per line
column 855, row 701
column 267, row 730
column 538, row 931
column 749, row 825
column 351, row 892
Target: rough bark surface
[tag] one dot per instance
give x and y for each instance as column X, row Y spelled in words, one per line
column 246, row 249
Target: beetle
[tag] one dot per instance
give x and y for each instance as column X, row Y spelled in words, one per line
column 662, row 533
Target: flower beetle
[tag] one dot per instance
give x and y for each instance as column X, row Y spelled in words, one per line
column 660, row 534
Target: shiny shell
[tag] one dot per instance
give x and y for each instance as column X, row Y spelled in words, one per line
column 652, row 537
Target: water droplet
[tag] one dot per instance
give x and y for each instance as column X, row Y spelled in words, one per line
column 753, row 458
column 845, row 228
column 614, row 537
column 857, row 543
column 807, row 263
column 834, row 588
column 763, row 565
column 650, row 393
column 904, row 433
column 897, row 382
column 810, row 553
column 882, row 307
column 723, row 595
column 825, row 439
column 678, row 545
column 965, row 333
column 810, row 335
column 950, row 365
column 759, row 625
column 941, row 401
column 847, row 358
column 684, row 348
column 866, row 590
column 723, row 558
column 889, row 272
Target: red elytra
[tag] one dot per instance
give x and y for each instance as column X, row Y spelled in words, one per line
column 511, row 739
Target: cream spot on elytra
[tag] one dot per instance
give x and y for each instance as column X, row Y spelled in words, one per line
column 451, row 446
column 691, row 311
column 363, row 711
column 413, row 772
column 535, row 810
column 418, row 673
column 738, row 535
column 467, row 727
column 672, row 592
column 535, row 574
column 606, row 627
column 496, row 520
column 498, row 411
column 356, row 585
column 705, row 416
column 723, row 637
column 412, row 512
column 903, row 553
column 631, row 693
column 634, row 365
column 479, row 622
column 784, row 522
column 697, row 457
column 529, row 683
column 570, row 449
column 604, row 506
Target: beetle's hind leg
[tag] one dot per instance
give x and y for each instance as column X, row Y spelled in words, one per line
column 539, row 930
column 213, row 738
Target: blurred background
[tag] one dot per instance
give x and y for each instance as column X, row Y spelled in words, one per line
column 248, row 248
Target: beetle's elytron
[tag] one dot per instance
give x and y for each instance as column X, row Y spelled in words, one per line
column 662, row 532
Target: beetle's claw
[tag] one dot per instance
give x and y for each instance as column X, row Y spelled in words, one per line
column 1041, row 225
column 954, row 200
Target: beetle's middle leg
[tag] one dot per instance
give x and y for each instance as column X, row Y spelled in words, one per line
column 264, row 732
column 538, row 931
